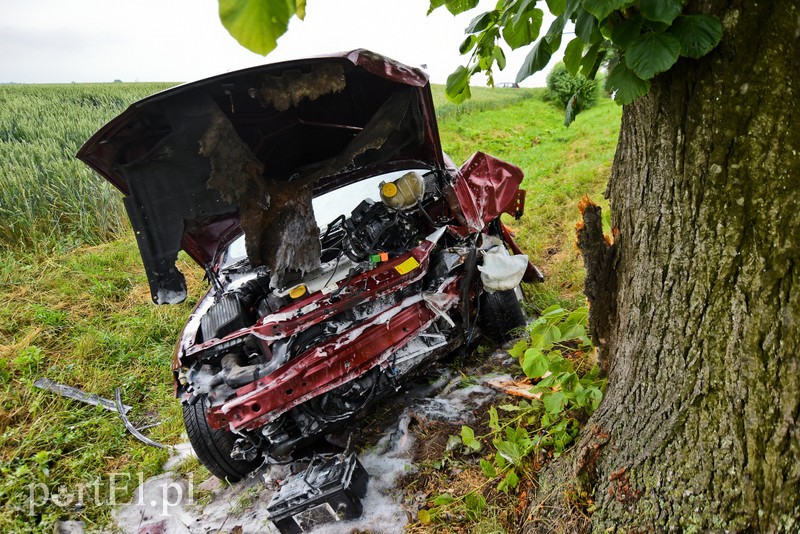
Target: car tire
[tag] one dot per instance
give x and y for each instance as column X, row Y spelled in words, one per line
column 213, row 447
column 500, row 314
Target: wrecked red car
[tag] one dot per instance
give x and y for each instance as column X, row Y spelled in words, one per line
column 345, row 251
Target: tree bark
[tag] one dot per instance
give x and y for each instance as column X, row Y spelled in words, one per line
column 699, row 428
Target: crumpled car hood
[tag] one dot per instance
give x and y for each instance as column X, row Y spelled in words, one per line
column 247, row 151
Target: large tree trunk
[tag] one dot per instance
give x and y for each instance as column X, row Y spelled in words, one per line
column 699, row 428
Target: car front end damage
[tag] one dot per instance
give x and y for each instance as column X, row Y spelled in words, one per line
column 337, row 271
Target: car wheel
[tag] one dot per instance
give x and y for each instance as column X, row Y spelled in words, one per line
column 500, row 314
column 213, row 447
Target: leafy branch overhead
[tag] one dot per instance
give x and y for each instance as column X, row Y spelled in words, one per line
column 257, row 24
column 645, row 37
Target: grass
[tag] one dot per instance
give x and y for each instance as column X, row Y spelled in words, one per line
column 84, row 317
column 86, row 320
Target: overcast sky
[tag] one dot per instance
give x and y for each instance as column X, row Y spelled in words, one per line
column 61, row 41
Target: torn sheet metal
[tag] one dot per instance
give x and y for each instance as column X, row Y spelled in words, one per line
column 132, row 429
column 79, row 395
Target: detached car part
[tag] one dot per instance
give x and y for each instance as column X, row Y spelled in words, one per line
column 345, row 250
column 329, row 490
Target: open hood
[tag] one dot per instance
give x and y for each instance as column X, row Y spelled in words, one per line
column 246, row 151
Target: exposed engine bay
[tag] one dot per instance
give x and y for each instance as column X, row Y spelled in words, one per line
column 371, row 271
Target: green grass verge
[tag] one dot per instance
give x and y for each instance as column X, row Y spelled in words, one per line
column 85, row 317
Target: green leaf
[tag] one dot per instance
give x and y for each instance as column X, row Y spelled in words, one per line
column 300, row 9
column 488, row 469
column 580, row 396
column 424, row 517
column 481, row 22
column 494, row 419
column 586, row 27
column 457, row 86
column 652, row 53
column 554, row 403
column 257, row 24
column 555, row 31
column 475, row 503
column 512, row 479
column 500, row 460
column 453, row 442
column 623, row 33
column 698, row 34
column 596, row 396
column 549, row 332
column 573, row 331
column 556, row 7
column 435, row 4
column 591, row 61
column 661, row 10
column 517, row 9
column 567, row 379
column 602, row 8
column 573, row 55
column 499, row 57
column 518, row 349
column 459, row 6
column 578, row 316
column 523, row 29
column 467, row 44
column 443, row 499
column 509, row 451
column 468, row 438
column 572, row 110
column 559, row 364
column 535, row 363
column 547, row 382
column 536, row 60
column 554, row 311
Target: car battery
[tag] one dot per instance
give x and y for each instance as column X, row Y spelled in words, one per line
column 328, row 490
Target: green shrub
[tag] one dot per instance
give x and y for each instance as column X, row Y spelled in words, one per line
column 562, row 87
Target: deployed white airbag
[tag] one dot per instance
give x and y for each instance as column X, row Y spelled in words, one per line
column 501, row 271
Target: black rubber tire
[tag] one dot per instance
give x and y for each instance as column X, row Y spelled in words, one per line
column 500, row 313
column 213, row 447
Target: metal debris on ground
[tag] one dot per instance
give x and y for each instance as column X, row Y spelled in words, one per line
column 132, row 429
column 79, row 395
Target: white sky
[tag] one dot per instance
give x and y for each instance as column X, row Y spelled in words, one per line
column 61, row 41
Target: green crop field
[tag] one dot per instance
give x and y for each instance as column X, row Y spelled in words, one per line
column 47, row 197
column 75, row 306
